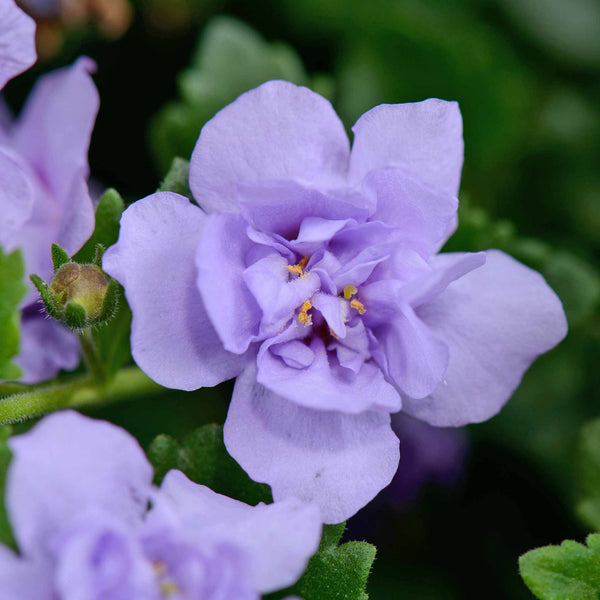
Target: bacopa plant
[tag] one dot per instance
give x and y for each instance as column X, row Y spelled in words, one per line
column 307, row 268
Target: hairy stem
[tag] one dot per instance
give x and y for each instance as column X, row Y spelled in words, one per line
column 90, row 356
column 78, row 392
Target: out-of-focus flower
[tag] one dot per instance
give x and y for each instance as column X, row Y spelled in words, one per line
column 315, row 278
column 84, row 530
column 17, row 41
column 112, row 17
column 45, row 199
column 429, row 455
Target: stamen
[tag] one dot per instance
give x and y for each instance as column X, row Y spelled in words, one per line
column 349, row 291
column 299, row 268
column 304, row 317
column 334, row 334
column 359, row 306
column 169, row 588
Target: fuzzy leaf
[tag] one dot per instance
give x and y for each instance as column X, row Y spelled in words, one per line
column 567, row 572
column 203, row 458
column 106, row 232
column 335, row 572
column 176, row 180
column 231, row 59
column 12, row 290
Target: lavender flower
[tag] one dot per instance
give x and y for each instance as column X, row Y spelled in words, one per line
column 45, row 199
column 77, row 495
column 17, row 41
column 311, row 273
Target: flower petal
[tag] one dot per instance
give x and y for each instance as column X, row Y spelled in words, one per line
column 275, row 131
column 16, row 198
column 17, row 41
column 425, row 138
column 496, row 320
column 24, row 579
column 46, row 347
column 422, row 214
column 415, row 358
column 323, row 384
column 336, row 460
column 278, row 539
column 282, row 206
column 68, row 464
column 53, row 134
column 221, row 259
column 172, row 338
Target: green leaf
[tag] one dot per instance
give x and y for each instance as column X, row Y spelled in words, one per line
column 12, row 290
column 176, row 180
column 6, row 536
column 335, row 572
column 589, row 474
column 106, row 231
column 231, row 58
column 203, row 458
column 570, row 571
column 573, row 278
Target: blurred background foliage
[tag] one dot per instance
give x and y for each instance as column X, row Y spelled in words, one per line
column 527, row 77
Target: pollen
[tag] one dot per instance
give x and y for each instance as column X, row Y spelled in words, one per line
column 169, row 588
column 304, row 317
column 349, row 291
column 359, row 306
column 299, row 268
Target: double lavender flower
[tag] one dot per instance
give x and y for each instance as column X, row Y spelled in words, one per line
column 78, row 493
column 311, row 273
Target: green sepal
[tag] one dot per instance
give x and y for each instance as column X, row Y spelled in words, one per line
column 59, row 257
column 566, row 572
column 46, row 295
column 75, row 316
column 203, row 458
column 334, row 572
column 12, row 291
column 98, row 254
column 111, row 303
column 106, row 232
column 177, row 179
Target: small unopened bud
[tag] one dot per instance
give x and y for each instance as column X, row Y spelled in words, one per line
column 79, row 296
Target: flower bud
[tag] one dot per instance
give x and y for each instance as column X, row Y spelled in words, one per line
column 79, row 296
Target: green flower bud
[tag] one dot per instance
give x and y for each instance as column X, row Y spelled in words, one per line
column 79, row 296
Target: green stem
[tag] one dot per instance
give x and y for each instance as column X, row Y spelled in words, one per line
column 90, row 356
column 78, row 392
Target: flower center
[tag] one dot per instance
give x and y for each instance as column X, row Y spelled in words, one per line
column 168, row 587
column 298, row 268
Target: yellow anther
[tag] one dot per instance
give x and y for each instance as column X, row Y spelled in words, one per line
column 334, row 334
column 304, row 317
column 299, row 268
column 359, row 306
column 169, row 588
column 349, row 291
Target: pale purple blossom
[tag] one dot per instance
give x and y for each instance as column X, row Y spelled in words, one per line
column 17, row 41
column 44, row 198
column 77, row 495
column 310, row 271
